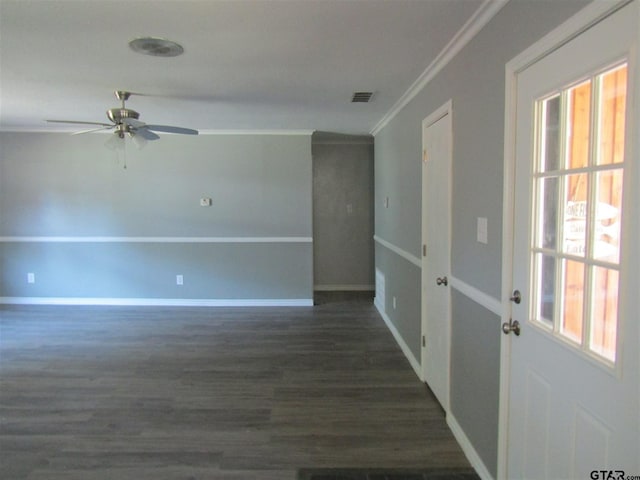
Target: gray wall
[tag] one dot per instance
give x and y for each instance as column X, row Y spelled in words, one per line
column 342, row 211
column 475, row 362
column 474, row 80
column 57, row 185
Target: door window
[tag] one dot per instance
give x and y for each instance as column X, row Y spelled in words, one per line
column 578, row 178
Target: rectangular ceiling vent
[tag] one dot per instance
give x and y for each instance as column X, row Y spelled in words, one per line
column 361, row 97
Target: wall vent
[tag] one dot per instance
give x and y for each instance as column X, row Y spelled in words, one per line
column 361, row 97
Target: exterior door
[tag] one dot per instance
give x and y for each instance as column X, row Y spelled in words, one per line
column 573, row 408
column 436, row 259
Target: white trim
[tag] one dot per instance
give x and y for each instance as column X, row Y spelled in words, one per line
column 444, row 110
column 445, row 114
column 562, row 34
column 256, row 132
column 508, row 196
column 487, row 301
column 41, row 130
column 344, row 142
column 344, row 288
column 467, row 447
column 403, row 253
column 403, row 346
column 204, row 132
column 377, row 302
column 89, row 239
column 160, row 302
column 470, row 29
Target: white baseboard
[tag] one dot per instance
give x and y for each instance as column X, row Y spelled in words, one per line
column 470, row 452
column 415, row 364
column 160, row 302
column 378, row 304
column 344, row 288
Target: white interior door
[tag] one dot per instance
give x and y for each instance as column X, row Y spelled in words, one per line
column 436, row 259
column 573, row 401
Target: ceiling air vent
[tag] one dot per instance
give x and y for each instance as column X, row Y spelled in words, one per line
column 156, row 47
column 361, row 97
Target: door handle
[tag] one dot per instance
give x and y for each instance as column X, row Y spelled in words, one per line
column 442, row 281
column 511, row 326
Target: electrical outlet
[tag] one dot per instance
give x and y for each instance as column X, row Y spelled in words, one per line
column 179, row 280
column 205, row 202
column 31, row 277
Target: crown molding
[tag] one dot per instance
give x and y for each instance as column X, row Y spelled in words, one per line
column 257, row 132
column 470, row 29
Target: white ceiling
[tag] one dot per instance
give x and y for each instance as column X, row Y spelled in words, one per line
column 248, row 64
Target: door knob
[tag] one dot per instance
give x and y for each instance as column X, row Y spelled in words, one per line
column 511, row 326
column 442, row 281
column 516, row 297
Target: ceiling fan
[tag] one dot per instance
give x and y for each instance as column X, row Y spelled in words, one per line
column 125, row 121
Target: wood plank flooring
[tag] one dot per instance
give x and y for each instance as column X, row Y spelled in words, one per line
column 210, row 393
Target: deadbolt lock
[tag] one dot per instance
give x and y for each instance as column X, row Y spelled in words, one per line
column 516, row 297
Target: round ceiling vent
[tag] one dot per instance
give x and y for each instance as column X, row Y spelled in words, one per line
column 156, row 47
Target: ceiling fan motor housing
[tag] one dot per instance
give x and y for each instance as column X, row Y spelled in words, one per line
column 117, row 114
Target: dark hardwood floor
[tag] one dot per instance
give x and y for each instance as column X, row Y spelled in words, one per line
column 210, row 393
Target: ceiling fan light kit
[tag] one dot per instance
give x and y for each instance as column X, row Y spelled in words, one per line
column 126, row 121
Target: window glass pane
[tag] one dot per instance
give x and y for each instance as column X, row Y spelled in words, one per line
column 546, row 285
column 604, row 313
column 578, row 125
column 611, row 124
column 578, row 183
column 575, row 215
column 548, row 213
column 550, row 150
column 607, row 222
column 572, row 300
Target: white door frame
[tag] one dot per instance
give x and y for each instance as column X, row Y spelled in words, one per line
column 441, row 112
column 577, row 24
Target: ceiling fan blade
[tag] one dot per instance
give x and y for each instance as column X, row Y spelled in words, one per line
column 93, row 130
column 170, row 129
column 81, row 123
column 132, row 122
column 146, row 134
